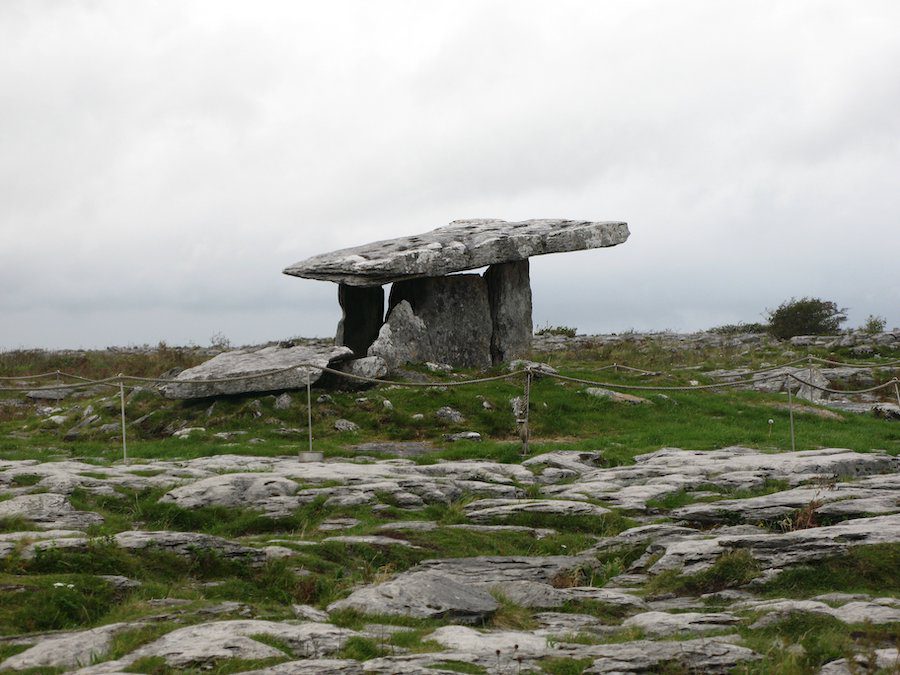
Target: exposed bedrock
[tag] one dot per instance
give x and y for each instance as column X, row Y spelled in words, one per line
column 402, row 339
column 363, row 314
column 509, row 295
column 456, row 313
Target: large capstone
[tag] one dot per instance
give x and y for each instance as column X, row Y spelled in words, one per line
column 457, row 316
column 509, row 293
column 363, row 309
column 461, row 245
column 248, row 370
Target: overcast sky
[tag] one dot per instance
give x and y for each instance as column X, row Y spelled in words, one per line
column 162, row 162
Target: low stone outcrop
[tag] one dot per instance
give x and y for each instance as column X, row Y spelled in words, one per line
column 421, row 595
column 267, row 369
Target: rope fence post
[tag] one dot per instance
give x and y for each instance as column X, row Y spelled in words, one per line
column 897, row 391
column 525, row 431
column 787, row 383
column 122, row 405
column 810, row 378
column 309, row 409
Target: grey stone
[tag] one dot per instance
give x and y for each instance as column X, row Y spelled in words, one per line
column 531, row 594
column 660, row 624
column 509, row 295
column 887, row 659
column 48, row 511
column 284, row 402
column 68, row 650
column 363, row 314
column 462, row 245
column 371, row 367
column 267, row 369
column 457, row 314
column 345, row 425
column 187, row 544
column 369, row 540
column 236, row 490
column 423, row 595
column 402, row 339
column 705, row 655
column 487, row 571
column 448, row 414
column 484, row 510
column 615, row 396
column 204, row 643
column 462, row 436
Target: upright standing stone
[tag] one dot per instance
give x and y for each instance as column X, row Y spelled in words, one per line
column 363, row 308
column 457, row 314
column 509, row 293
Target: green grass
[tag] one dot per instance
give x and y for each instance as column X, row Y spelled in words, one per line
column 733, row 568
column 865, row 569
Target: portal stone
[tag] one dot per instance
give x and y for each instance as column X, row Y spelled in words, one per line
column 457, row 313
column 509, row 293
column 363, row 309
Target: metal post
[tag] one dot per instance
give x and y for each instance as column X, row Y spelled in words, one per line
column 897, row 392
column 525, row 432
column 122, row 402
column 791, row 411
column 309, row 408
column 810, row 377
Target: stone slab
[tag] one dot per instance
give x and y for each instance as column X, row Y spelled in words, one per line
column 264, row 369
column 461, row 245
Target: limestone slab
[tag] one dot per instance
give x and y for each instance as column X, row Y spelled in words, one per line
column 461, row 245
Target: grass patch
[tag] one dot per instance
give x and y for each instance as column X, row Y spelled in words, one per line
column 734, row 568
column 362, row 649
column 512, row 616
column 558, row 666
column 25, row 480
column 864, row 569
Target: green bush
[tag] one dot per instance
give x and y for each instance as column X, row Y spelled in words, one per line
column 806, row 316
column 568, row 331
column 739, row 328
column 875, row 324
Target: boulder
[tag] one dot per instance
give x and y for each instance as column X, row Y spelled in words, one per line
column 68, row 650
column 461, row 245
column 457, row 313
column 421, row 595
column 268, row 369
column 48, row 511
column 660, row 624
column 402, row 339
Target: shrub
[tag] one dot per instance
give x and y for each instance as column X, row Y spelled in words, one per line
column 739, row 328
column 875, row 324
column 806, row 316
column 568, row 331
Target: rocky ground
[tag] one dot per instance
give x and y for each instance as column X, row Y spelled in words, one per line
column 570, row 560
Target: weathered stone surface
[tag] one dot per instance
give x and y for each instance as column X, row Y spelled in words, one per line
column 659, row 624
column 457, row 315
column 402, row 339
column 187, row 544
column 531, row 594
column 509, row 295
column 371, row 367
column 313, row 667
column 707, row 655
column 484, row 510
column 615, row 396
column 887, row 659
column 878, row 611
column 461, row 245
column 363, row 314
column 488, row 571
column 237, row 490
column 423, row 595
column 265, row 369
column 207, row 642
column 49, row 511
column 68, row 650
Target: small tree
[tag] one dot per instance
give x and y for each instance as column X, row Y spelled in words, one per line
column 806, row 316
column 875, row 324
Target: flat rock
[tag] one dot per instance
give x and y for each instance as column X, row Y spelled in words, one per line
column 422, row 595
column 615, row 396
column 187, row 544
column 887, row 659
column 491, row 570
column 369, row 540
column 531, row 594
column 49, row 511
column 660, row 624
column 67, row 650
column 706, row 655
column 877, row 611
column 484, row 510
column 235, row 490
column 461, row 245
column 204, row 643
column 268, row 369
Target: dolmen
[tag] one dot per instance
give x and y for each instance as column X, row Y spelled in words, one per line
column 434, row 313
